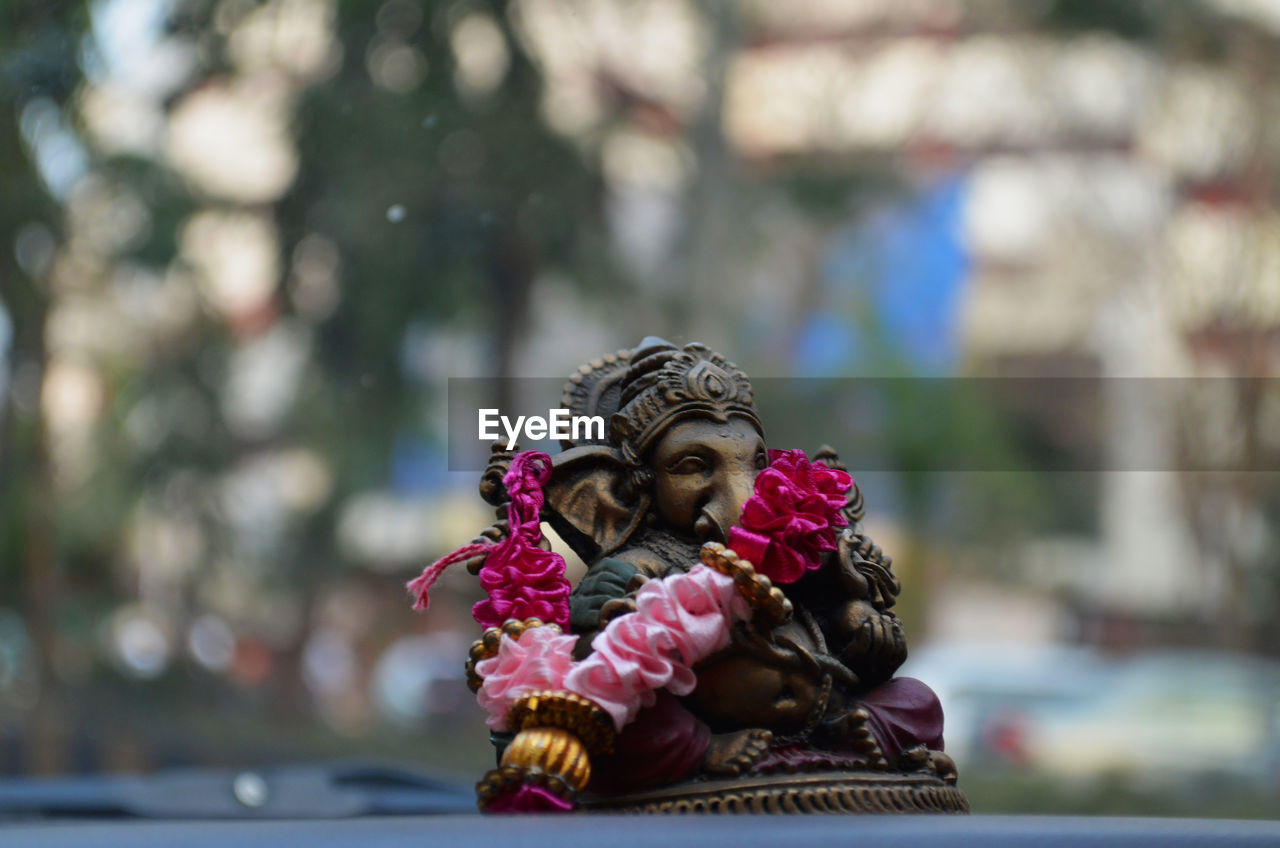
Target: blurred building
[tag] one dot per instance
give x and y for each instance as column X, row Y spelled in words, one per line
column 1119, row 212
column 1095, row 200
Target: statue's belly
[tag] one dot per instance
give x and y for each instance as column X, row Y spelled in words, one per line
column 744, row 687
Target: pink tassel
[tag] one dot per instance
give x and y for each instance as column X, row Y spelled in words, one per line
column 528, row 798
column 419, row 586
column 522, row 580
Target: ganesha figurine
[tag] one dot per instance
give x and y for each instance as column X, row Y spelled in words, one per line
column 732, row 645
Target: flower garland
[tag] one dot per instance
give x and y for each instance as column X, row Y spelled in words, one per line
column 539, row 659
column 790, row 519
column 679, row 620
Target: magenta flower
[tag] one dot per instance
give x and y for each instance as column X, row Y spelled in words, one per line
column 792, row 517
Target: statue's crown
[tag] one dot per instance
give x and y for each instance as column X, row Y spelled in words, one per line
column 664, row 384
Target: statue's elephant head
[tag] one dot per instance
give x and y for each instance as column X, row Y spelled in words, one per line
column 590, row 502
column 694, row 482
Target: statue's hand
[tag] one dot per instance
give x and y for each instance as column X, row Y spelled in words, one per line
column 622, row 606
column 876, row 643
column 852, row 581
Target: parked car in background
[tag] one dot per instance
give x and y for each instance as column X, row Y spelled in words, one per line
column 1155, row 719
column 992, row 694
column 1169, row 717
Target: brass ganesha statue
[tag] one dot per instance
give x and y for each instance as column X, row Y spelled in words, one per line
column 800, row 710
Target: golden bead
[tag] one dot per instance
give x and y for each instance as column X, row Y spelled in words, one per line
column 554, row 751
column 567, row 711
column 758, row 589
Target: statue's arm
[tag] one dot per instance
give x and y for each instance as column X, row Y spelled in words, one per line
column 868, row 635
column 606, row 580
column 851, row 597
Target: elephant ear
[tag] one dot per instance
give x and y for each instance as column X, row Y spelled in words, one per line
column 584, row 501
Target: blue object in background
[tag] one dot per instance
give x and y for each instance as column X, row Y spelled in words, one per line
column 826, row 345
column 904, row 270
column 418, row 468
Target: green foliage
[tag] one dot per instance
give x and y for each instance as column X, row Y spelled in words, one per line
column 38, row 42
column 37, row 60
column 1024, row 793
column 1135, row 19
column 836, row 193
column 1188, row 26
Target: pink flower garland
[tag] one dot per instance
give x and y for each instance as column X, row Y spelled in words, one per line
column 791, row 519
column 540, row 659
column 679, row 621
column 522, row 580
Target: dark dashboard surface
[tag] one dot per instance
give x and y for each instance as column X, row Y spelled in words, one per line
column 599, row 831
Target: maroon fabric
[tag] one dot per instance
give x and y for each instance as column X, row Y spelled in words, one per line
column 664, row 743
column 904, row 713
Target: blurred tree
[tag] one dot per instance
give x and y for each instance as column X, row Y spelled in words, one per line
column 444, row 197
column 37, row 69
column 412, row 194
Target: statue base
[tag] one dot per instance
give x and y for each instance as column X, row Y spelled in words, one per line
column 870, row 792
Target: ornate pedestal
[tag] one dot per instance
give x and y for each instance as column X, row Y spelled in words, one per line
column 817, row 792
